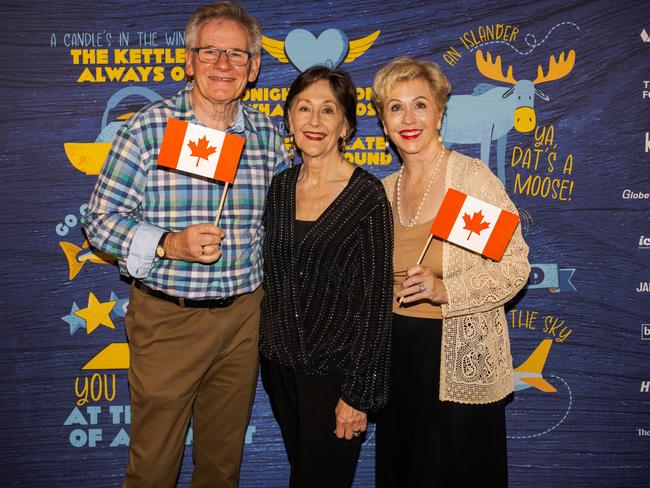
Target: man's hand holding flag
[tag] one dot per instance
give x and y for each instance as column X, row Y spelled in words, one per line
column 205, row 152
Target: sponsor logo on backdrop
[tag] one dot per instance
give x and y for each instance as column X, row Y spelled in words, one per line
column 644, row 242
column 644, row 287
column 645, row 386
column 644, row 36
column 645, row 93
column 635, row 194
column 643, row 432
column 532, row 383
column 331, row 48
column 647, row 142
column 645, row 332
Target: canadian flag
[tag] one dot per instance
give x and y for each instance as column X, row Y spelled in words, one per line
column 474, row 224
column 200, row 150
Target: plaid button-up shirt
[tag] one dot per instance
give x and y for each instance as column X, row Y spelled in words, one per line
column 134, row 200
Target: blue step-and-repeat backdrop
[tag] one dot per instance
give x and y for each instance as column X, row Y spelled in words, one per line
column 74, row 71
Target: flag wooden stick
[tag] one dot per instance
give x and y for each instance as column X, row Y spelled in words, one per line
column 424, row 250
column 223, row 199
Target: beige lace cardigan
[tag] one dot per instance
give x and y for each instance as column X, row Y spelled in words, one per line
column 475, row 360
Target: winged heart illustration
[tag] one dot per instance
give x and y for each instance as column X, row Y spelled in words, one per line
column 331, row 48
column 304, row 50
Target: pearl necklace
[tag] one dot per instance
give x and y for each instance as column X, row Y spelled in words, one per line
column 412, row 222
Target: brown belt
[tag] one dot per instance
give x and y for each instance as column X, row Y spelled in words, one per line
column 185, row 302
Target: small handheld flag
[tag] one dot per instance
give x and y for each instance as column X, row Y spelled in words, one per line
column 474, row 224
column 200, row 150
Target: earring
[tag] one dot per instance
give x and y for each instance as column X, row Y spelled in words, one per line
column 387, row 143
column 343, row 141
column 439, row 136
column 292, row 147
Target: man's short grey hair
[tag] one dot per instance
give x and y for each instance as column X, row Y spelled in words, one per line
column 225, row 11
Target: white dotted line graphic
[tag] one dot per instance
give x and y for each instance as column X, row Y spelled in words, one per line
column 558, row 423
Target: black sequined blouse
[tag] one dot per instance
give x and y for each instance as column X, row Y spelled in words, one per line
column 327, row 308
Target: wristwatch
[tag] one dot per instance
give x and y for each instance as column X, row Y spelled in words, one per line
column 160, row 248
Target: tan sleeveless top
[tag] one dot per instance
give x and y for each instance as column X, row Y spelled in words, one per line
column 408, row 244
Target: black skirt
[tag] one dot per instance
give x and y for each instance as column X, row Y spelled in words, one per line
column 424, row 442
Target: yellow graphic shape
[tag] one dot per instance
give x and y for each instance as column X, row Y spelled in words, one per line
column 534, row 366
column 540, row 384
column 113, row 356
column 87, row 157
column 556, row 69
column 535, row 362
column 360, row 46
column 275, row 48
column 76, row 258
column 357, row 47
column 96, row 313
column 525, row 119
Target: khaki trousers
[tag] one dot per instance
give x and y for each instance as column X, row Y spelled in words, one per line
column 186, row 362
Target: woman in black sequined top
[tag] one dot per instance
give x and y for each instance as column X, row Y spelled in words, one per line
column 325, row 329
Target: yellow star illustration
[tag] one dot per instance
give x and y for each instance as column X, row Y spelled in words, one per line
column 96, row 313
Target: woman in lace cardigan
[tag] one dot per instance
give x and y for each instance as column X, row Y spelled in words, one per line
column 451, row 366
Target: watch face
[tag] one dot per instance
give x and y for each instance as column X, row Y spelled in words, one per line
column 160, row 251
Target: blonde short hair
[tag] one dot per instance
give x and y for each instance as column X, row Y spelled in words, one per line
column 406, row 69
column 225, row 11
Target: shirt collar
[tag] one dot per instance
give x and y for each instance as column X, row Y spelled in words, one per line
column 242, row 122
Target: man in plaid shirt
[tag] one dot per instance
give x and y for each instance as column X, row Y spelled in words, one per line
column 193, row 314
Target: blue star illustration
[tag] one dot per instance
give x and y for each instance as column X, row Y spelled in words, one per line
column 75, row 322
column 121, row 305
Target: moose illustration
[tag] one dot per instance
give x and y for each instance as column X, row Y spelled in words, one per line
column 491, row 111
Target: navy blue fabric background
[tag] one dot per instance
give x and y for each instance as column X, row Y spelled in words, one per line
column 589, row 292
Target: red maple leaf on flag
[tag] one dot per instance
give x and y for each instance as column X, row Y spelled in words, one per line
column 201, row 149
column 475, row 223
